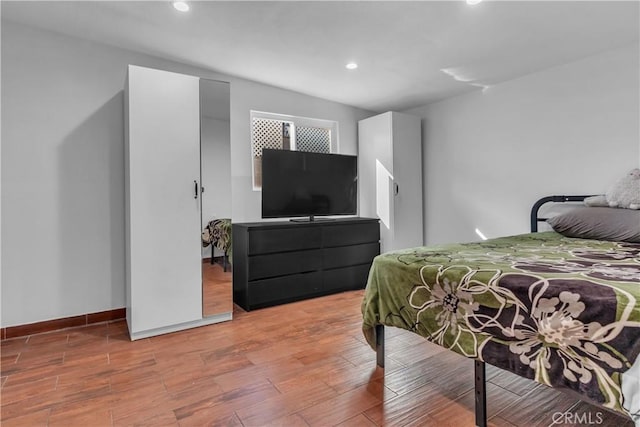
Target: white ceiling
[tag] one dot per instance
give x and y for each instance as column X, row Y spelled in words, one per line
column 410, row 53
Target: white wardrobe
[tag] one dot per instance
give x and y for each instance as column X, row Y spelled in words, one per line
column 162, row 203
column 390, row 177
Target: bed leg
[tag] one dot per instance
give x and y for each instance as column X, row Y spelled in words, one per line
column 481, row 394
column 380, row 345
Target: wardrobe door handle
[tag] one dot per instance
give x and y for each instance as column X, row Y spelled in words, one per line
column 195, row 189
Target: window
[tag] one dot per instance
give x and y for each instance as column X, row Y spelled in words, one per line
column 280, row 132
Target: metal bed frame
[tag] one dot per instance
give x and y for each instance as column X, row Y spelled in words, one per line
column 479, row 366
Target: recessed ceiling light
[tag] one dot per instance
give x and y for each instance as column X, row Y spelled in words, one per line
column 351, row 66
column 472, row 2
column 181, row 6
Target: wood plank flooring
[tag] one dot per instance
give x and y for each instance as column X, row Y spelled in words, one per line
column 300, row 364
column 217, row 289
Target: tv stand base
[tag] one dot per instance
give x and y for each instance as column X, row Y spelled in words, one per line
column 311, row 218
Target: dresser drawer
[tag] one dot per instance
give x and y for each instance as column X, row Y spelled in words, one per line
column 284, row 239
column 347, row 278
column 349, row 255
column 281, row 289
column 263, row 266
column 350, row 234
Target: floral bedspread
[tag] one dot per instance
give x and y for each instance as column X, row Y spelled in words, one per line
column 565, row 312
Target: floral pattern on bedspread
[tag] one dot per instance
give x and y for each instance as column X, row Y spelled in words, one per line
column 564, row 312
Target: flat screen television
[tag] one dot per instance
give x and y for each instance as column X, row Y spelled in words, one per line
column 302, row 184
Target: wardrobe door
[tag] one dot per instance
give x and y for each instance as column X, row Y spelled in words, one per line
column 164, row 267
column 390, row 177
column 375, row 174
column 407, row 176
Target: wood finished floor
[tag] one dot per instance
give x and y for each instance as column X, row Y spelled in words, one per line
column 217, row 289
column 298, row 364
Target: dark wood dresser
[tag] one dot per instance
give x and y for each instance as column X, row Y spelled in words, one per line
column 280, row 262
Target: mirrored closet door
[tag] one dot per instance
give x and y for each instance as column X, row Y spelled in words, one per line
column 215, row 157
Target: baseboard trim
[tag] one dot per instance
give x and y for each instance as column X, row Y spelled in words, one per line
column 62, row 323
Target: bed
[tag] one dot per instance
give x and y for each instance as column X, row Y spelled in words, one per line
column 563, row 311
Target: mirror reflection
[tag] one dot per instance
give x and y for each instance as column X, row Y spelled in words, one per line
column 215, row 154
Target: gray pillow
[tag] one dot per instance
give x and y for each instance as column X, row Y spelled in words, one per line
column 599, row 223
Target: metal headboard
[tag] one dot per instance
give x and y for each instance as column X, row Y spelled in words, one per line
column 535, row 219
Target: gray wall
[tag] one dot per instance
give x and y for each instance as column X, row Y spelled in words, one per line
column 488, row 156
column 63, row 167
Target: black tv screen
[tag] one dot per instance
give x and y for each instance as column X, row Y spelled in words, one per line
column 296, row 183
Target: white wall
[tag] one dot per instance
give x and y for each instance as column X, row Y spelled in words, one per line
column 487, row 157
column 63, row 167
